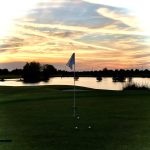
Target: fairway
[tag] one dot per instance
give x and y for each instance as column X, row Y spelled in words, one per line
column 41, row 118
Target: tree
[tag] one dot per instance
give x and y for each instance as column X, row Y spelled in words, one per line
column 31, row 72
column 4, row 71
column 48, row 71
column 16, row 72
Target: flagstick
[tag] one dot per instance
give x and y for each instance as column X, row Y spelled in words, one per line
column 74, row 102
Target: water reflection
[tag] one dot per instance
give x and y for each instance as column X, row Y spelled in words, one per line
column 90, row 82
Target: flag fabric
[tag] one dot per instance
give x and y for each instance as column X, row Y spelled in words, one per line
column 71, row 61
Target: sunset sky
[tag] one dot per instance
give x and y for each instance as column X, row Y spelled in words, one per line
column 102, row 33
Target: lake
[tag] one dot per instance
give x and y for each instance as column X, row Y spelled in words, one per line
column 90, row 82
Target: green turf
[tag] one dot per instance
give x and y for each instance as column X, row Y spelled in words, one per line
column 40, row 118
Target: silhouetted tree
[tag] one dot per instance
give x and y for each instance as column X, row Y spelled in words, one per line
column 16, row 72
column 31, row 72
column 146, row 73
column 48, row 71
column 4, row 71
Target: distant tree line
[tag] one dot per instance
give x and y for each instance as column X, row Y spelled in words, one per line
column 13, row 72
column 109, row 73
column 34, row 72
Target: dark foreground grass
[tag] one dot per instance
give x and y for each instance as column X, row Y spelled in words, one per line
column 40, row 118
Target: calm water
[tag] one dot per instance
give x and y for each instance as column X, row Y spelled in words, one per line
column 90, row 82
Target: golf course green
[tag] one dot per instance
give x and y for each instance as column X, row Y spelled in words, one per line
column 41, row 118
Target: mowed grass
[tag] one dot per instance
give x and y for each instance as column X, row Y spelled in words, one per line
column 41, row 118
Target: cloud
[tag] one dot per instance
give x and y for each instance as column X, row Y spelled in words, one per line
column 57, row 38
column 50, row 4
column 117, row 3
column 131, row 21
column 113, row 28
column 139, row 56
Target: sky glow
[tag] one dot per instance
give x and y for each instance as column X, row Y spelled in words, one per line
column 102, row 33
